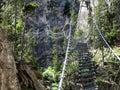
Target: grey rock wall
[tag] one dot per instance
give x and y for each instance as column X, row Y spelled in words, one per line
column 43, row 21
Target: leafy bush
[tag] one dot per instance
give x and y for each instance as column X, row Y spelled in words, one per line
column 74, row 18
column 78, row 33
column 107, row 20
column 51, row 74
column 54, row 86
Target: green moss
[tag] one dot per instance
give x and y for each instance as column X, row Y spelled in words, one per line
column 31, row 7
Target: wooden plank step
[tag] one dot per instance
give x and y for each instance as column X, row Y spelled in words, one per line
column 91, row 88
column 87, row 80
column 87, row 75
column 87, row 71
column 88, row 67
column 85, row 58
column 93, row 83
column 84, row 62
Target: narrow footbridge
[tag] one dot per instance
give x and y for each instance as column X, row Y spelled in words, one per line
column 86, row 68
column 86, row 76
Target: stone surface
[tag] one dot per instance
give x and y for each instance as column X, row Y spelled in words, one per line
column 15, row 76
column 43, row 21
column 28, row 78
column 8, row 71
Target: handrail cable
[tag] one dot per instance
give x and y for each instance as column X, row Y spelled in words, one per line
column 112, row 51
column 99, row 31
column 66, row 57
column 63, row 26
column 106, row 41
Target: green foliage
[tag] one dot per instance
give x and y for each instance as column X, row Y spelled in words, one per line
column 55, row 59
column 64, row 43
column 108, row 20
column 7, row 16
column 55, row 30
column 71, row 70
column 20, row 40
column 74, row 18
column 78, row 32
column 29, row 52
column 56, row 65
column 73, row 63
column 109, row 70
column 111, row 36
column 20, row 26
column 115, row 5
column 31, row 7
column 56, row 50
column 54, row 86
column 98, row 79
column 51, row 75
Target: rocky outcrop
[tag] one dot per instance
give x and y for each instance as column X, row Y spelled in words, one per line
column 49, row 15
column 8, row 71
column 15, row 76
column 28, row 78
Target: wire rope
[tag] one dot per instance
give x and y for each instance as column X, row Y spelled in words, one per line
column 111, row 50
column 106, row 41
column 65, row 61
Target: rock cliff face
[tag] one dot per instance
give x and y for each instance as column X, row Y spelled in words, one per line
column 8, row 71
column 49, row 15
column 86, row 10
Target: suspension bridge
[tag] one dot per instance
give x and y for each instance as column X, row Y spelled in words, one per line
column 86, row 78
column 86, row 71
